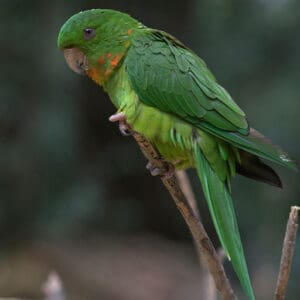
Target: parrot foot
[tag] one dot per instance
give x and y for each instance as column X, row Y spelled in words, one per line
column 167, row 171
column 123, row 126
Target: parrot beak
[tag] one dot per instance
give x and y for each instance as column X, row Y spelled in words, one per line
column 76, row 60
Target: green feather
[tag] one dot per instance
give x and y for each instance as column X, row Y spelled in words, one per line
column 224, row 150
column 221, row 208
column 182, row 79
column 254, row 143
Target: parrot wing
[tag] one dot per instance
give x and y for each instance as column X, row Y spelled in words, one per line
column 167, row 75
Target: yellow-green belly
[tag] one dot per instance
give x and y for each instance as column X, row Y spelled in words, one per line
column 171, row 136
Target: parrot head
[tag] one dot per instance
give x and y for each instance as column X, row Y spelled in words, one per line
column 95, row 41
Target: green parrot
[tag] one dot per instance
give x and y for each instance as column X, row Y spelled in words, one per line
column 165, row 92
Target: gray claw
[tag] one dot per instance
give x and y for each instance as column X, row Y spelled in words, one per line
column 124, row 129
column 168, row 171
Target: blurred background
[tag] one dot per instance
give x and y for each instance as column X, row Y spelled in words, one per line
column 75, row 198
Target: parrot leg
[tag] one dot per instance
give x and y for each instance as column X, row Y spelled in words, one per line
column 167, row 172
column 123, row 126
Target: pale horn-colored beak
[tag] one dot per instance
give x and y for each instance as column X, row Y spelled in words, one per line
column 76, row 60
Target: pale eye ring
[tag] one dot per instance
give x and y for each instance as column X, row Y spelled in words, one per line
column 89, row 33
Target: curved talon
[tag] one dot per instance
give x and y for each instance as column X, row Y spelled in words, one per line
column 167, row 172
column 124, row 129
column 123, row 126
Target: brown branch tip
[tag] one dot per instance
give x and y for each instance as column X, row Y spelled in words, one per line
column 287, row 253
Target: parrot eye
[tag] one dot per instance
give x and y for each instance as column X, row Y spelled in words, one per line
column 89, row 33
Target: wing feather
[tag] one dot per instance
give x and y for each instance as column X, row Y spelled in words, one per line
column 170, row 77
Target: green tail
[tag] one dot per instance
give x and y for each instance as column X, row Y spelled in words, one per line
column 221, row 208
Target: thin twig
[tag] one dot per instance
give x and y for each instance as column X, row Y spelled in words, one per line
column 186, row 187
column 287, row 253
column 209, row 291
column 199, row 234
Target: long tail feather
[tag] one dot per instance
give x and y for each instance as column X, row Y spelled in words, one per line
column 221, row 208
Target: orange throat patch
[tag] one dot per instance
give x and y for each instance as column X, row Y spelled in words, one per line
column 106, row 64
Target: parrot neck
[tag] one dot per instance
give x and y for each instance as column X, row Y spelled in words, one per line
column 105, row 66
column 120, row 90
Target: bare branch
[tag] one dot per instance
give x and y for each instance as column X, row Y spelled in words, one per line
column 209, row 291
column 187, row 190
column 199, row 234
column 287, row 253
